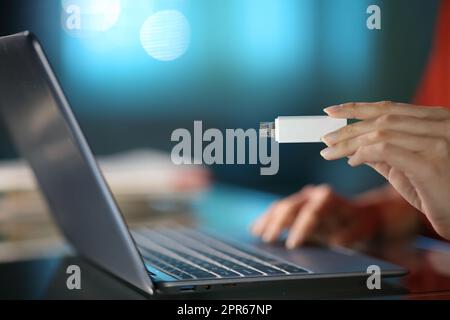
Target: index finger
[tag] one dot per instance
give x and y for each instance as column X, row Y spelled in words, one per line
column 307, row 220
column 364, row 111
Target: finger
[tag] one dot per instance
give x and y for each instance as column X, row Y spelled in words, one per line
column 394, row 156
column 260, row 226
column 309, row 217
column 407, row 141
column 405, row 124
column 364, row 111
column 303, row 227
column 284, row 215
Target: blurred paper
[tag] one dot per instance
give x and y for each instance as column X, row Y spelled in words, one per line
column 149, row 189
column 137, row 173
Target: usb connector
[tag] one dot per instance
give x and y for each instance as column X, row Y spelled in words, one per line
column 267, row 130
column 300, row 129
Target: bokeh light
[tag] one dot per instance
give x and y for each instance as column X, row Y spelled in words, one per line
column 166, row 35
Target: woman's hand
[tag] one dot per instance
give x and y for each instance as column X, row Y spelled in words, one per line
column 408, row 145
column 319, row 214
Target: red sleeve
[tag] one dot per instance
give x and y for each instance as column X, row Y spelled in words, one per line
column 434, row 90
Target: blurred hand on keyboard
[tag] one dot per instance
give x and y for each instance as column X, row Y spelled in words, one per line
column 319, row 214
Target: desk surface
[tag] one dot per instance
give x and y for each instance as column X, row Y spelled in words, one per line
column 428, row 261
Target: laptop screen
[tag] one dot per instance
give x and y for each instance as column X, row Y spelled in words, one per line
column 47, row 135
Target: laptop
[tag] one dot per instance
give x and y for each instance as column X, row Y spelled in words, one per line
column 45, row 132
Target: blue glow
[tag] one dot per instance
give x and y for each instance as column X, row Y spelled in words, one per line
column 272, row 36
column 245, row 55
column 166, row 35
column 347, row 47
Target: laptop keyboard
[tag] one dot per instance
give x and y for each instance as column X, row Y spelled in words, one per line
column 188, row 254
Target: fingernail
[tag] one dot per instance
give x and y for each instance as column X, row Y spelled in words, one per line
column 351, row 162
column 291, row 244
column 268, row 236
column 327, row 153
column 332, row 109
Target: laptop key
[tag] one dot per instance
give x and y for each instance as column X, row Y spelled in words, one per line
column 248, row 251
column 269, row 270
column 180, row 275
column 208, row 266
column 257, row 255
column 167, row 269
column 166, row 262
column 258, row 266
column 234, row 266
column 200, row 274
column 229, row 262
column 291, row 268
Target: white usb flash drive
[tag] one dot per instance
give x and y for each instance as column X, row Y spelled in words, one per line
column 300, row 129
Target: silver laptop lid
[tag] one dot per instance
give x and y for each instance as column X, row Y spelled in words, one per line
column 46, row 133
